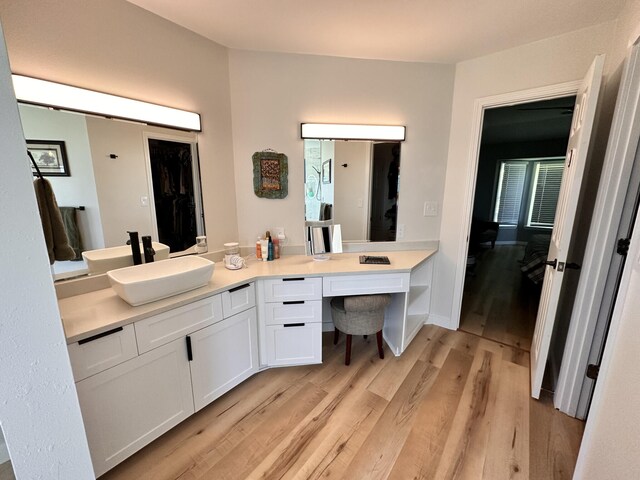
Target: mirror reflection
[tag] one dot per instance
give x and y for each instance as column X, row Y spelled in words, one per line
column 355, row 184
column 122, row 176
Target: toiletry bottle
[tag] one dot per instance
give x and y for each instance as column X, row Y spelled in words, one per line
column 270, row 248
column 269, row 245
column 258, row 249
column 276, row 248
column 264, row 247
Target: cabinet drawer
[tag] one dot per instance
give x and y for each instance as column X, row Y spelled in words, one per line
column 165, row 327
column 340, row 285
column 238, row 299
column 294, row 344
column 102, row 351
column 291, row 289
column 300, row 311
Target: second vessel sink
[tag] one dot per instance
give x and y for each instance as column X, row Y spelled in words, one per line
column 105, row 259
column 153, row 281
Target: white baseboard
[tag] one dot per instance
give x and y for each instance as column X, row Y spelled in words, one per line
column 440, row 320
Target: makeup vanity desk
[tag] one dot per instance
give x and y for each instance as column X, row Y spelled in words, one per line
column 139, row 371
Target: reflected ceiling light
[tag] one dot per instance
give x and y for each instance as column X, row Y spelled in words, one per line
column 66, row 97
column 352, row 132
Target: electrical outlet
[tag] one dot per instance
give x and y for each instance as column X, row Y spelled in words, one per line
column 144, row 201
column 430, row 209
column 400, row 231
column 279, row 232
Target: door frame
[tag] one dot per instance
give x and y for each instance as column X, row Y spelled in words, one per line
column 192, row 140
column 549, row 92
column 600, row 248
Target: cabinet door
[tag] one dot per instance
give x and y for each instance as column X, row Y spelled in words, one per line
column 223, row 355
column 126, row 407
column 294, row 344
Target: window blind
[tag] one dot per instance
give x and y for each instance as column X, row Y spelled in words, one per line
column 509, row 195
column 547, row 180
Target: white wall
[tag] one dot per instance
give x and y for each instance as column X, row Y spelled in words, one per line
column 116, row 47
column 39, row 409
column 547, row 62
column 352, row 188
column 273, row 93
column 79, row 188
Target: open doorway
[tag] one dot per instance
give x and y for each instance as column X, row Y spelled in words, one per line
column 518, row 180
column 175, row 186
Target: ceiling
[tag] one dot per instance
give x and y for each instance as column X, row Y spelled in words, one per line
column 534, row 121
column 440, row 31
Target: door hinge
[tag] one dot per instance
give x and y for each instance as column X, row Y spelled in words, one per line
column 592, row 371
column 623, row 246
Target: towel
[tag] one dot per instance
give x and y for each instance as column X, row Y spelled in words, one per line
column 52, row 226
column 73, row 232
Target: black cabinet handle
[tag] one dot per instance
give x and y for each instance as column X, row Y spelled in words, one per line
column 294, row 302
column 297, row 279
column 287, row 325
column 189, row 351
column 235, row 289
column 100, row 335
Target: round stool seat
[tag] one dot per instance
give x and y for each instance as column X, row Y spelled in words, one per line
column 359, row 315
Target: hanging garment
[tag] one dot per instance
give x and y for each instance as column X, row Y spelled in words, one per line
column 52, row 226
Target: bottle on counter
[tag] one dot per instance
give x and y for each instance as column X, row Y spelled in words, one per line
column 258, row 249
column 276, row 248
column 269, row 246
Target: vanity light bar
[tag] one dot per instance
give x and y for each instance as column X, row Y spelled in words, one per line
column 352, row 132
column 66, row 97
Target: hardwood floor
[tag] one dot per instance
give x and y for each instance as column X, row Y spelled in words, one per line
column 454, row 405
column 498, row 302
column 6, row 471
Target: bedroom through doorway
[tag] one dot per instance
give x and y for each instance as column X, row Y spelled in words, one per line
column 520, row 167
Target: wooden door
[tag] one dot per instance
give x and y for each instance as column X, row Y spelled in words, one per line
column 579, row 137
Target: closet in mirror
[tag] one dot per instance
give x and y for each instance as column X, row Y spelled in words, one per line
column 123, row 176
column 354, row 183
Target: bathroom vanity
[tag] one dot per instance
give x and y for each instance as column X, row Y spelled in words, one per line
column 140, row 371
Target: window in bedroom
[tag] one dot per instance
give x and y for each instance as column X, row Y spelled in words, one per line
column 545, row 188
column 509, row 192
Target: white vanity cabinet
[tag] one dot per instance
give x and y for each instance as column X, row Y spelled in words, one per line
column 127, row 406
column 136, row 382
column 291, row 320
column 222, row 356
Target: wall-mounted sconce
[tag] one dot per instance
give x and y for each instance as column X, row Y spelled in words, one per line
column 66, row 97
column 336, row 131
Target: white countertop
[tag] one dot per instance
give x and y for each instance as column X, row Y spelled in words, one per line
column 102, row 310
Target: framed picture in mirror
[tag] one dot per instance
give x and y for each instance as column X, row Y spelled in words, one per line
column 326, row 171
column 50, row 157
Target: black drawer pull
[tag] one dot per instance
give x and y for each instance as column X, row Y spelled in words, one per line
column 294, row 302
column 235, row 289
column 189, row 351
column 100, row 335
column 297, row 279
column 287, row 325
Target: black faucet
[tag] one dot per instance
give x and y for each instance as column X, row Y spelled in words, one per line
column 149, row 252
column 135, row 247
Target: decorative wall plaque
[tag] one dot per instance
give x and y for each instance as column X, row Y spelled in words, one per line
column 270, row 174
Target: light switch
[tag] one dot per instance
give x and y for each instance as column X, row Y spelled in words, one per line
column 359, row 203
column 430, row 209
column 400, row 231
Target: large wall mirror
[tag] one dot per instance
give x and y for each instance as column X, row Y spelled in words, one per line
column 354, row 184
column 121, row 176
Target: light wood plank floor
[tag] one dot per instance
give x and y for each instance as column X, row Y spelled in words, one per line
column 454, row 405
column 498, row 302
column 6, row 471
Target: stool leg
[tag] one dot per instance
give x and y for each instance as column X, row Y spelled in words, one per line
column 347, row 356
column 336, row 335
column 379, row 338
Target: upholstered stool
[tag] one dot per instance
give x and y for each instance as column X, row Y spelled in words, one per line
column 359, row 315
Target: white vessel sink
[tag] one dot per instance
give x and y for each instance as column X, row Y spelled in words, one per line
column 152, row 281
column 105, row 259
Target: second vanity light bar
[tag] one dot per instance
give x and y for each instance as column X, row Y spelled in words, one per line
column 66, row 97
column 337, row 131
